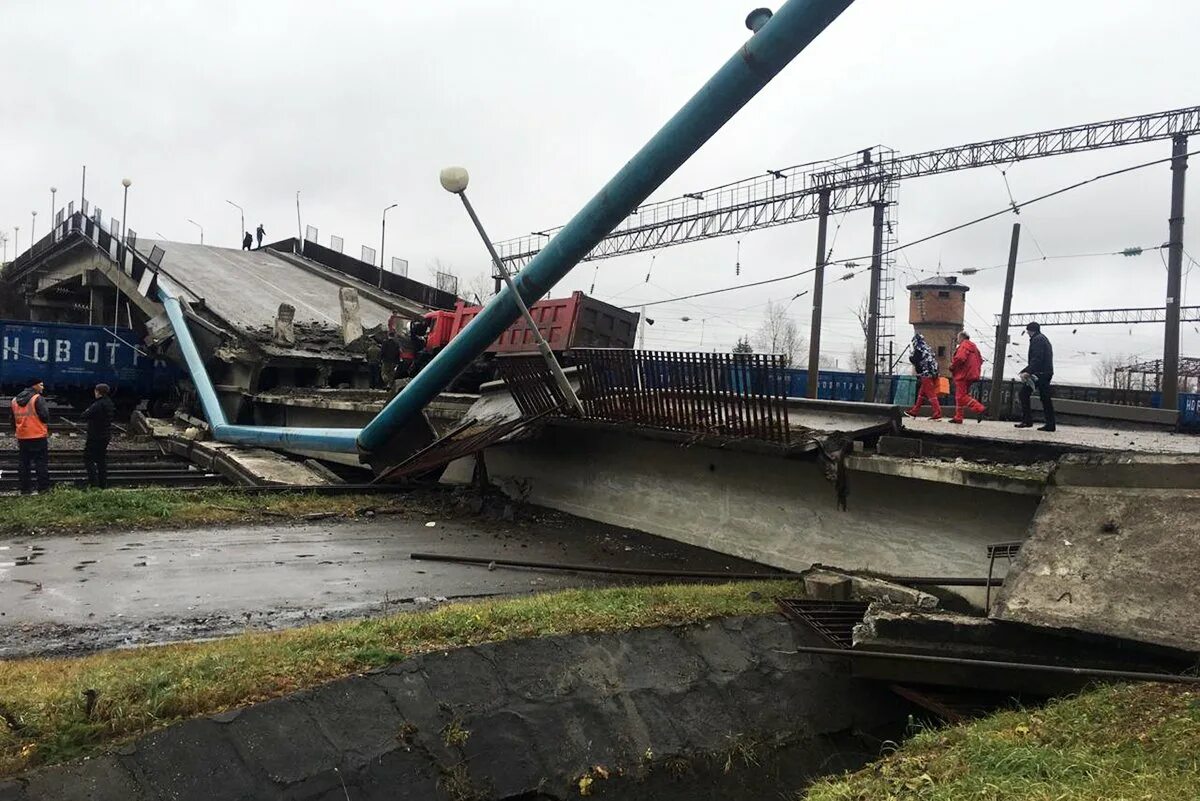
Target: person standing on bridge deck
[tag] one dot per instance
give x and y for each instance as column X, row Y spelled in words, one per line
column 260, row 233
column 965, row 369
column 1037, row 373
column 99, row 418
column 31, row 419
column 247, row 241
column 926, row 366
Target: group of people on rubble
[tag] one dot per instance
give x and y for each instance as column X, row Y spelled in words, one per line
column 966, row 368
column 31, row 423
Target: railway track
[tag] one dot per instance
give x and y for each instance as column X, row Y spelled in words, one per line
column 142, row 467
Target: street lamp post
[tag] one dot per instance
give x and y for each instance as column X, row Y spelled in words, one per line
column 16, row 240
column 125, row 182
column 33, row 229
column 454, row 180
column 382, row 240
column 242, row 230
column 53, row 205
column 201, row 227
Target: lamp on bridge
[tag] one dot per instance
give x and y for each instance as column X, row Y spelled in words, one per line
column 53, row 206
column 125, row 182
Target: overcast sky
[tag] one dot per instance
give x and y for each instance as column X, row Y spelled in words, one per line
column 358, row 105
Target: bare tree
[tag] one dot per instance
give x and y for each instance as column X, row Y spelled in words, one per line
column 1104, row 372
column 478, row 288
column 858, row 356
column 779, row 334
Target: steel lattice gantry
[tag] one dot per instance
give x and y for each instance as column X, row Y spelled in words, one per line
column 1153, row 314
column 855, row 182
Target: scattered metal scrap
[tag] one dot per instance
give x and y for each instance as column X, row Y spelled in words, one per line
column 614, row 571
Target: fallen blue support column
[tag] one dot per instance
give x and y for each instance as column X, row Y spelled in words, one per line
column 340, row 440
column 767, row 52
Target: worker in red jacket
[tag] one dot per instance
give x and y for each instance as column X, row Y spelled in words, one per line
column 965, row 369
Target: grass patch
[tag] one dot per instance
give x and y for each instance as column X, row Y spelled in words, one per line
column 45, row 702
column 67, row 508
column 1116, row 743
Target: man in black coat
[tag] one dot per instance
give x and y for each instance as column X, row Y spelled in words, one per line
column 1037, row 374
column 99, row 417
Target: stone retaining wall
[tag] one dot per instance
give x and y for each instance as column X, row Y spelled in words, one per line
column 523, row 719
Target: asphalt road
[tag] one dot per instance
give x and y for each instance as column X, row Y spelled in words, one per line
column 72, row 594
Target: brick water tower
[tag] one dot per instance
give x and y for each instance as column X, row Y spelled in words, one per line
column 936, row 307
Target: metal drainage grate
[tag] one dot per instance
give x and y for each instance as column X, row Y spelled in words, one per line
column 833, row 620
column 999, row 550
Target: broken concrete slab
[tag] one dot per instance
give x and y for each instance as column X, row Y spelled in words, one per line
column 1149, row 471
column 1110, row 562
column 250, row 467
column 1017, row 479
column 847, row 586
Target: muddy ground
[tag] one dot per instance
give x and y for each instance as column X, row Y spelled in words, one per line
column 72, row 594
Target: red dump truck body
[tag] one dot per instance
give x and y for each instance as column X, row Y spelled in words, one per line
column 577, row 321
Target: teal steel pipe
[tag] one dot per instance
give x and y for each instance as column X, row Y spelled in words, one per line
column 340, row 440
column 767, row 52
column 191, row 357
column 337, row 440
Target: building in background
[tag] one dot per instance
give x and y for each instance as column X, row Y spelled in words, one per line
column 936, row 307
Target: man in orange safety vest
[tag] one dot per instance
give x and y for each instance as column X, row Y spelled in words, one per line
column 31, row 419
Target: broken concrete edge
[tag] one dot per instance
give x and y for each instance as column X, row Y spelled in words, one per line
column 1128, row 470
column 507, row 719
column 247, row 467
column 1115, row 563
column 1000, row 478
column 832, row 584
column 690, row 440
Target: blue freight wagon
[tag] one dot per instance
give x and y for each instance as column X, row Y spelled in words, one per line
column 71, row 359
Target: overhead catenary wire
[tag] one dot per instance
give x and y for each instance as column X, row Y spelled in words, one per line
column 928, row 238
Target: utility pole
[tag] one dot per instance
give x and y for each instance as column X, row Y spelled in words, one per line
column 383, row 240
column 1170, row 379
column 642, row 329
column 873, row 302
column 818, row 298
column 83, row 188
column 1001, row 352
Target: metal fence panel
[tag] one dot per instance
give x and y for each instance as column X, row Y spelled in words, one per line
column 447, row 283
column 368, row 255
column 719, row 394
column 310, row 233
column 400, row 266
column 336, row 243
